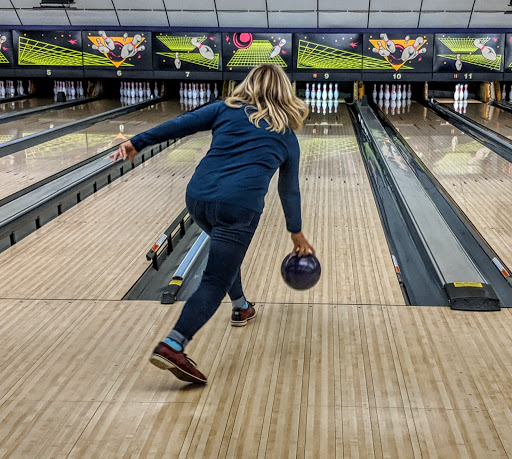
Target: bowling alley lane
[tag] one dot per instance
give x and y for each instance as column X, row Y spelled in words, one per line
column 340, row 219
column 28, row 166
column 493, row 118
column 49, row 119
column 478, row 180
column 9, row 108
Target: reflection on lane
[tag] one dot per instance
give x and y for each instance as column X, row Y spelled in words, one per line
column 493, row 118
column 39, row 122
column 24, row 104
column 446, row 150
column 31, row 165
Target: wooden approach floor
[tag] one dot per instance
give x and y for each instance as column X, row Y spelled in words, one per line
column 345, row 370
column 478, row 180
column 301, row 380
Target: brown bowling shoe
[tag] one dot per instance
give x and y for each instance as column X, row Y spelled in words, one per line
column 177, row 362
column 240, row 317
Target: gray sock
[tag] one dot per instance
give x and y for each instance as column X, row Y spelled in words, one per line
column 239, row 303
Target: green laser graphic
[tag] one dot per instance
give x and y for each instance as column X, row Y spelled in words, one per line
column 476, row 59
column 34, row 52
column 195, row 58
column 314, row 55
column 3, row 59
column 179, row 43
column 256, row 54
column 462, row 45
column 374, row 63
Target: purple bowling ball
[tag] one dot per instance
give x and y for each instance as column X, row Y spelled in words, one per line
column 301, row 273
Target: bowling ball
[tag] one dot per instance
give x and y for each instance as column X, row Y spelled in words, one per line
column 301, row 273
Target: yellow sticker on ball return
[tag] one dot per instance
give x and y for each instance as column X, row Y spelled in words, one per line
column 467, row 284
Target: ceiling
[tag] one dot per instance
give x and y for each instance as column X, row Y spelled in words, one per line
column 264, row 13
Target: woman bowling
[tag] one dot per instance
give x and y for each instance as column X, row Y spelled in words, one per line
column 253, row 136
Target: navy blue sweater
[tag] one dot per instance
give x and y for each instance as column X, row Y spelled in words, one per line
column 241, row 161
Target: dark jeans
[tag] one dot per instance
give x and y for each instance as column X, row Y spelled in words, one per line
column 231, row 229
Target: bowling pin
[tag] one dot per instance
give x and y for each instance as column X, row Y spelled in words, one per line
column 155, row 91
column 194, row 91
column 399, row 92
column 215, row 91
column 132, row 91
column 390, row 45
column 121, row 89
column 381, row 93
column 504, row 93
column 313, row 92
column 181, row 89
column 381, row 50
column 456, row 94
column 324, row 92
column 177, row 62
column 336, row 92
column 318, row 91
column 189, row 93
column 201, row 92
column 465, row 92
column 308, row 92
column 393, row 93
column 374, row 93
column 510, row 94
column 208, row 92
column 109, row 43
column 387, row 95
column 329, row 93
column 141, row 91
column 81, row 90
column 410, row 52
column 2, row 90
column 204, row 50
column 406, row 94
column 148, row 90
column 73, row 92
column 487, row 51
column 409, row 92
column 55, row 88
column 458, row 63
column 277, row 49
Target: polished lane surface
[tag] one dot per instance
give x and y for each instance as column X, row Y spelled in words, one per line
column 477, row 179
column 39, row 122
column 9, row 108
column 31, row 165
column 491, row 117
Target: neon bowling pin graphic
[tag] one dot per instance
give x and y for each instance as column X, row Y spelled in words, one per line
column 381, row 50
column 277, row 49
column 204, row 50
column 109, row 43
column 177, row 62
column 458, row 63
column 390, row 45
column 100, row 47
column 410, row 52
column 487, row 51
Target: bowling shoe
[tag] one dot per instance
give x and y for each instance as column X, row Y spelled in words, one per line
column 177, row 362
column 240, row 317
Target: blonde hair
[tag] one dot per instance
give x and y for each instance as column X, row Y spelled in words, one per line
column 269, row 95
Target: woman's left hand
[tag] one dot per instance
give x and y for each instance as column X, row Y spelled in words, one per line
column 125, row 150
